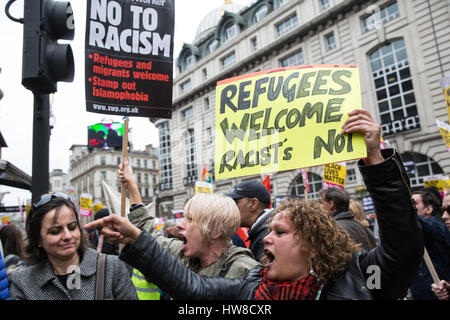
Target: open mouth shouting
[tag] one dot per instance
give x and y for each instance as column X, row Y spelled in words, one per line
column 270, row 257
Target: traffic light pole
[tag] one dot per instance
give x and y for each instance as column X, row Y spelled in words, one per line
column 41, row 138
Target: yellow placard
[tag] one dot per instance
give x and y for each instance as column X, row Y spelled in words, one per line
column 5, row 220
column 445, row 86
column 435, row 181
column 334, row 175
column 203, row 187
column 85, row 204
column 96, row 206
column 285, row 119
column 444, row 129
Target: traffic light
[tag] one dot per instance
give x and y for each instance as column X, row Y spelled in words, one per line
column 45, row 61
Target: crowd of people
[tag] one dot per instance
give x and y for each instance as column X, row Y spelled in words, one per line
column 300, row 250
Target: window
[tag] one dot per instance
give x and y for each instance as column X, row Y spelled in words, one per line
column 281, row 2
column 190, row 60
column 164, row 156
column 228, row 60
column 231, row 31
column 213, row 46
column 146, row 177
column 138, row 178
column 206, row 103
column 260, row 13
column 102, row 160
column 208, row 136
column 138, row 163
column 145, row 163
column 287, row 25
column 418, row 167
column 315, row 185
column 154, row 179
column 294, row 59
column 254, row 43
column 204, row 74
column 330, row 41
column 351, row 175
column 188, row 113
column 153, row 164
column 394, row 89
column 189, row 142
column 324, row 4
column 385, row 14
column 185, row 86
column 118, row 160
column 103, row 173
column 146, row 193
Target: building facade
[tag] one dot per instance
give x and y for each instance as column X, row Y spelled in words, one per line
column 402, row 48
column 89, row 168
column 59, row 180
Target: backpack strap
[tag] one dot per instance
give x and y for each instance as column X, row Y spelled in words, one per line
column 100, row 277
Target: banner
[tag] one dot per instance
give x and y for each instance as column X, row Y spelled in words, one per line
column 205, row 175
column 203, row 187
column 334, row 175
column 445, row 86
column 286, row 119
column 444, row 129
column 129, row 57
column 85, row 204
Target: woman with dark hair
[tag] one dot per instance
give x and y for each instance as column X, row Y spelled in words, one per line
column 308, row 255
column 62, row 267
column 12, row 241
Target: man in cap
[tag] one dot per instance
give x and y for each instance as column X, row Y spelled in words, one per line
column 253, row 201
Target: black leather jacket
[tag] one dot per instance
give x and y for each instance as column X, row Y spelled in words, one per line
column 396, row 260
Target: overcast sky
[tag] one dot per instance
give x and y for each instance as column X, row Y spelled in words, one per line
column 68, row 108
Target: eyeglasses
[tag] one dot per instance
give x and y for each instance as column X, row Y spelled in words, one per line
column 46, row 198
column 446, row 208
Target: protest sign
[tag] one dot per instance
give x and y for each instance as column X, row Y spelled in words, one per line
column 444, row 129
column 440, row 182
column 5, row 220
column 445, row 86
column 286, row 119
column 367, row 203
column 129, row 57
column 203, row 187
column 97, row 205
column 334, row 175
column 85, row 204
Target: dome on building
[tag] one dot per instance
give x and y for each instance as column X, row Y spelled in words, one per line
column 210, row 21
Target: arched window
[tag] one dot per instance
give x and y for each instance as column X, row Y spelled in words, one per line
column 231, row 30
column 394, row 88
column 315, row 185
column 212, row 46
column 419, row 166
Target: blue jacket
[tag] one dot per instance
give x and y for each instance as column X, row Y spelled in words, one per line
column 4, row 291
column 437, row 241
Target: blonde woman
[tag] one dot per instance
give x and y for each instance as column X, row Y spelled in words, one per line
column 356, row 209
column 210, row 220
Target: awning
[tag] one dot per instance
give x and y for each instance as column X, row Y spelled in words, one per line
column 12, row 176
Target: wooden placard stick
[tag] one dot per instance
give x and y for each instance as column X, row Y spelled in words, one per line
column 124, row 155
column 430, row 266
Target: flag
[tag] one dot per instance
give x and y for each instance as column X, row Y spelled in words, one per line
column 305, row 179
column 266, row 182
column 205, row 175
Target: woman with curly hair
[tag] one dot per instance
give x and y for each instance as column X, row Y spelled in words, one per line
column 308, row 255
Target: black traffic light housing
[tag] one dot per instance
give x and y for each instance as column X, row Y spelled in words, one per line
column 45, row 61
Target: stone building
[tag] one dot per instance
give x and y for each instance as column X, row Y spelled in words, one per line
column 89, row 168
column 402, row 48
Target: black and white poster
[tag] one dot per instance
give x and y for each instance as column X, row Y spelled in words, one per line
column 129, row 57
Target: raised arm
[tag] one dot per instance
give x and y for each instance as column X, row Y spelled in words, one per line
column 399, row 254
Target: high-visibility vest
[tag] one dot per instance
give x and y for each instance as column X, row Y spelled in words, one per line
column 145, row 290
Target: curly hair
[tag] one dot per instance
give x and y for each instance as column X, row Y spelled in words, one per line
column 329, row 244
